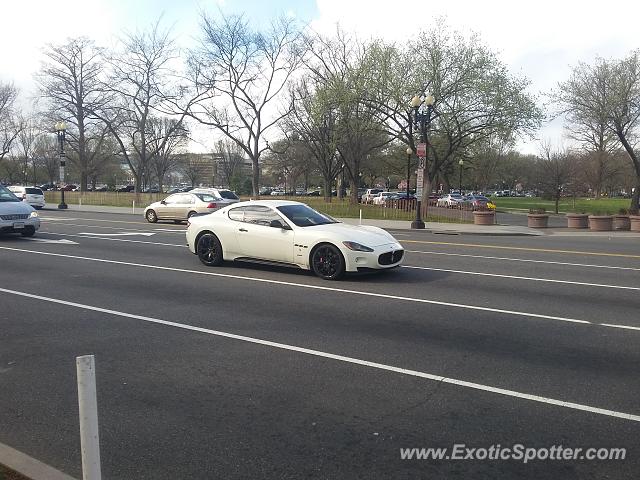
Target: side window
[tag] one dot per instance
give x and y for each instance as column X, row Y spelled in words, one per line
column 260, row 215
column 188, row 198
column 172, row 199
column 237, row 214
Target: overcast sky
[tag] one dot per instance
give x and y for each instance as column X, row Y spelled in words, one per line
column 539, row 39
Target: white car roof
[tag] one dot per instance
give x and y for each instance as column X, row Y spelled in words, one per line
column 266, row 203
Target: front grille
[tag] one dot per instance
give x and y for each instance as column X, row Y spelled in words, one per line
column 390, row 258
column 15, row 216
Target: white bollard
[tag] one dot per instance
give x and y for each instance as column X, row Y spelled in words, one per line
column 133, row 207
column 88, row 410
column 360, row 216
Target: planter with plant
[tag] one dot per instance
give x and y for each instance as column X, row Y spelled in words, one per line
column 601, row 223
column 634, row 221
column 484, row 217
column 537, row 218
column 577, row 220
column 621, row 220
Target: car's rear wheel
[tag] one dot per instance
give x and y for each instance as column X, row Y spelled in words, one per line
column 151, row 216
column 209, row 250
column 327, row 262
column 191, row 214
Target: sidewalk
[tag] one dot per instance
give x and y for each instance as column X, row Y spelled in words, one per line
column 432, row 227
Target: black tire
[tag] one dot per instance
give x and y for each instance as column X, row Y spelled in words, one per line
column 191, row 214
column 209, row 250
column 151, row 216
column 28, row 232
column 327, row 262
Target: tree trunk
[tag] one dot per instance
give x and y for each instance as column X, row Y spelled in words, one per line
column 255, row 178
column 635, row 199
column 328, row 180
column 353, row 199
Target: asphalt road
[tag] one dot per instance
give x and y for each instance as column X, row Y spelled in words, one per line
column 246, row 371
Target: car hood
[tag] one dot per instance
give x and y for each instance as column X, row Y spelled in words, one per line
column 363, row 234
column 8, row 208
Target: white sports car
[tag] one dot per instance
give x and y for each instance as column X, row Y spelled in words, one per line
column 290, row 233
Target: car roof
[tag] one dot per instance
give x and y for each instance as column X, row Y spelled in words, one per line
column 266, row 203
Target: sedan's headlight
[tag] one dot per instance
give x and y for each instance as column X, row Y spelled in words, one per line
column 357, row 247
column 34, row 214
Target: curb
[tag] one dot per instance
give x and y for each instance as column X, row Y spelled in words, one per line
column 29, row 466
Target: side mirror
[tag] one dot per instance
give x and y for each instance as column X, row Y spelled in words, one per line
column 163, row 202
column 279, row 224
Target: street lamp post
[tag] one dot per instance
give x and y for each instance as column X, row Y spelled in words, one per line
column 461, row 163
column 422, row 109
column 409, row 152
column 60, row 132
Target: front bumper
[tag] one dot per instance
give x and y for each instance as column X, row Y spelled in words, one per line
column 383, row 257
column 19, row 225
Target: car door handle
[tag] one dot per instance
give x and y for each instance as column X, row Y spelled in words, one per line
column 243, row 230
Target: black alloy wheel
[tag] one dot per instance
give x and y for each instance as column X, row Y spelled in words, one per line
column 28, row 232
column 327, row 262
column 151, row 216
column 209, row 250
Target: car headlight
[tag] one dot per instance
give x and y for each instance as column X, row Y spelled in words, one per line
column 34, row 215
column 357, row 247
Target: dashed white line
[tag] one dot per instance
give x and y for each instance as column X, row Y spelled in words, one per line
column 517, row 277
column 340, row 358
column 526, row 260
column 327, row 289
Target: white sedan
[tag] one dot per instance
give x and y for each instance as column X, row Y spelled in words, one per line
column 290, row 233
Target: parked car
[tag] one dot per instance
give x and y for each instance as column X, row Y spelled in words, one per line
column 278, row 193
column 181, row 206
column 125, row 188
column 69, row 187
column 290, row 233
column 17, row 216
column 450, row 200
column 382, row 197
column 478, row 202
column 313, row 193
column 265, row 191
column 34, row 196
column 367, row 196
column 47, row 186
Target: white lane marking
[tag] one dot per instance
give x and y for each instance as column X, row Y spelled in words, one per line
column 93, row 237
column 45, row 240
column 340, row 358
column 181, row 231
column 516, row 277
column 526, row 260
column 326, row 289
column 121, row 234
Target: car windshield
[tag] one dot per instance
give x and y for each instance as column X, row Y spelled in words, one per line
column 33, row 191
column 304, row 216
column 456, row 195
column 7, row 196
column 228, row 195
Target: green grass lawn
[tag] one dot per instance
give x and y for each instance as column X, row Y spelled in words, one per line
column 602, row 206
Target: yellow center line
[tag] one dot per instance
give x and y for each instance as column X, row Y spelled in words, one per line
column 545, row 250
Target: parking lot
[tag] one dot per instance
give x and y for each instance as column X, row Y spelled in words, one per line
column 247, row 371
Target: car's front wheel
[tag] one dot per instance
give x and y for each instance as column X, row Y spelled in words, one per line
column 28, row 232
column 151, row 216
column 327, row 262
column 209, row 250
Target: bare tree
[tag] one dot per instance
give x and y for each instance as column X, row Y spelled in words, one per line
column 10, row 126
column 141, row 84
column 70, row 81
column 47, row 156
column 609, row 92
column 25, row 148
column 192, row 167
column 230, row 159
column 313, row 121
column 167, row 141
column 239, row 75
column 557, row 169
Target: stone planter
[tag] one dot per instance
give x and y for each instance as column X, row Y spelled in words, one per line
column 601, row 223
column 634, row 220
column 621, row 222
column 577, row 220
column 484, row 217
column 538, row 220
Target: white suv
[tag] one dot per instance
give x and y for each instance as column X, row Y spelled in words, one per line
column 32, row 195
column 17, row 216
